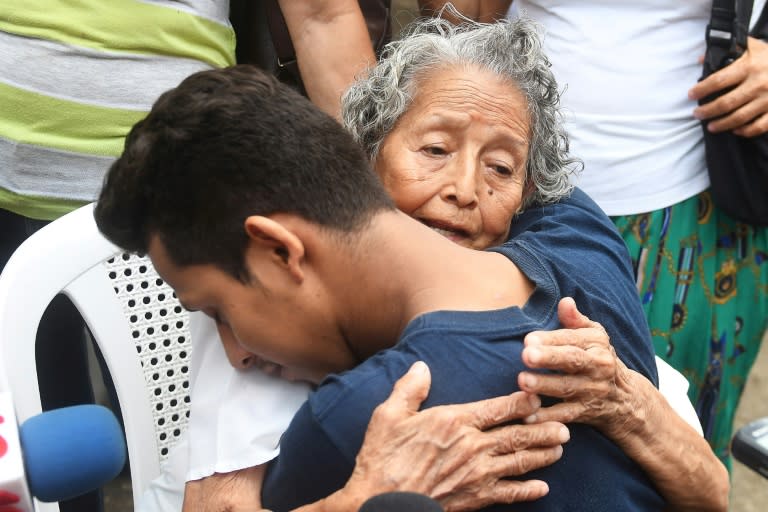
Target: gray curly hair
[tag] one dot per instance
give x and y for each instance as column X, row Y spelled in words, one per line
column 511, row 49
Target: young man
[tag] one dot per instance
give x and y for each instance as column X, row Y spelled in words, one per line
column 261, row 212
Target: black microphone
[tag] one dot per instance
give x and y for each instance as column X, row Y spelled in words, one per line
column 401, row 502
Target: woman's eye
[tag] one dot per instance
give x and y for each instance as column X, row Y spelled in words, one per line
column 502, row 170
column 434, row 150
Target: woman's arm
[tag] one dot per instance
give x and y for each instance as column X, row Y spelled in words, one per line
column 221, row 492
column 598, row 389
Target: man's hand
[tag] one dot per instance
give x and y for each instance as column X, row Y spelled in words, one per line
column 745, row 108
column 225, row 492
column 593, row 382
column 456, row 454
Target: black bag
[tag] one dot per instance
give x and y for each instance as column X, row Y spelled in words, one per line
column 738, row 166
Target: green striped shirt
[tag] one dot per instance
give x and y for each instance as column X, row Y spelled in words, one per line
column 76, row 76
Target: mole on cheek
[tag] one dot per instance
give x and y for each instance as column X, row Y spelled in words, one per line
column 490, row 192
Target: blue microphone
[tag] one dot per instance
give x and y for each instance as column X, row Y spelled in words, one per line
column 70, row 451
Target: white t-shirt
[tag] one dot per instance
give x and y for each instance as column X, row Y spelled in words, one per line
column 626, row 67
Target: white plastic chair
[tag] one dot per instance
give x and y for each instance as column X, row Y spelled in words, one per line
column 134, row 317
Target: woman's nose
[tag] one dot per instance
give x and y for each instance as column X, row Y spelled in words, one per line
column 460, row 187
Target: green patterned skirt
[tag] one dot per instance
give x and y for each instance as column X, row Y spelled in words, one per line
column 703, row 282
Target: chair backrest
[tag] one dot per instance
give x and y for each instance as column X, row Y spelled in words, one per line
column 134, row 317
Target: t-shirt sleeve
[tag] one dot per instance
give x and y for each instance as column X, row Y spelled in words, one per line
column 589, row 261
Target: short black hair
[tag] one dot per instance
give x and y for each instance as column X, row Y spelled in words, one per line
column 224, row 145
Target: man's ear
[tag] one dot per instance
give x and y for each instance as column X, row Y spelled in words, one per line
column 286, row 248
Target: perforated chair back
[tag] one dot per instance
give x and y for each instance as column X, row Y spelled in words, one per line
column 134, row 317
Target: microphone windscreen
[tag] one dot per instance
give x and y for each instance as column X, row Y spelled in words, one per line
column 70, row 451
column 401, row 502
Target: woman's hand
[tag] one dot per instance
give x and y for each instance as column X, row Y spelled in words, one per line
column 455, row 453
column 596, row 387
column 744, row 109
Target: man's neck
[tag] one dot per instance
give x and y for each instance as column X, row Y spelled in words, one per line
column 401, row 269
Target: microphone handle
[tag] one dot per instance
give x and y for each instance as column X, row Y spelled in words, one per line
column 401, row 502
column 14, row 491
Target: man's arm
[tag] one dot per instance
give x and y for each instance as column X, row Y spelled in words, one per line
column 598, row 389
column 332, row 47
column 485, row 11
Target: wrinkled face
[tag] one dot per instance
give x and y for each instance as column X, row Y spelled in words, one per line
column 269, row 324
column 456, row 159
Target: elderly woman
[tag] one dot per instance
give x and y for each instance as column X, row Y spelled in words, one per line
column 430, row 137
column 456, row 129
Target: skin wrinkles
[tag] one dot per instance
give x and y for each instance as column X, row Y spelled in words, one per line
column 456, row 160
column 465, row 93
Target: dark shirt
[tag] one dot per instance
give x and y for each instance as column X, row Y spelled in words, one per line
column 567, row 249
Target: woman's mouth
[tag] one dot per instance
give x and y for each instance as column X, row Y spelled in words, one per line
column 453, row 233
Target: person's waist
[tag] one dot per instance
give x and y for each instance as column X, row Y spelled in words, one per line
column 43, row 183
column 79, row 75
column 619, row 141
column 160, row 27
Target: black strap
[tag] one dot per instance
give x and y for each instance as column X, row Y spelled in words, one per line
column 727, row 31
column 281, row 39
column 375, row 12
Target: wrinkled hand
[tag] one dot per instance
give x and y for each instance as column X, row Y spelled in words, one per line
column 745, row 108
column 593, row 382
column 454, row 453
column 225, row 492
